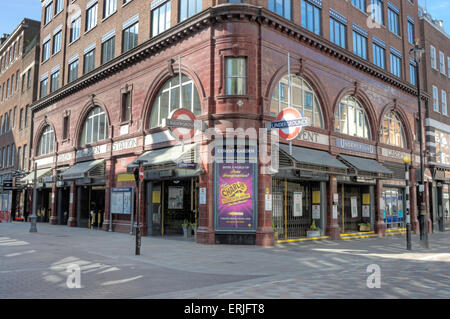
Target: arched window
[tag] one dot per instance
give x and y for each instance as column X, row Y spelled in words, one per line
column 392, row 131
column 303, row 98
column 47, row 141
column 169, row 99
column 95, row 127
column 351, row 118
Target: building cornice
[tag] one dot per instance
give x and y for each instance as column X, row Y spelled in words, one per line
column 214, row 15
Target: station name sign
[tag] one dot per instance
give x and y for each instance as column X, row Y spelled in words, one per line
column 355, row 146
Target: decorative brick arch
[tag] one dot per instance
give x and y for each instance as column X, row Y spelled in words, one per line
column 355, row 91
column 159, row 82
column 400, row 112
column 301, row 70
column 37, row 137
column 93, row 102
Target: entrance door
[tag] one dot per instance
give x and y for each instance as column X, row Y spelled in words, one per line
column 354, row 209
column 83, row 207
column 446, row 205
column 154, row 208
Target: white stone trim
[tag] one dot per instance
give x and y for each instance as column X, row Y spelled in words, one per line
column 130, row 21
column 108, row 35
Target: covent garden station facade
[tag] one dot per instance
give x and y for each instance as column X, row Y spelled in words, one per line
column 344, row 169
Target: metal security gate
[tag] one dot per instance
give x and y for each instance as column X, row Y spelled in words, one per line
column 350, row 214
column 446, row 205
column 291, row 217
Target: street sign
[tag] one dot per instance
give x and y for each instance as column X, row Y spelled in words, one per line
column 141, row 173
column 181, row 124
column 289, row 123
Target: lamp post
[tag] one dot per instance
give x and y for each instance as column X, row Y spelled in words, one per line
column 407, row 161
column 139, row 177
column 416, row 53
column 33, row 216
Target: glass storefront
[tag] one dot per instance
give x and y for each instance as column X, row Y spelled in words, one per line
column 393, row 212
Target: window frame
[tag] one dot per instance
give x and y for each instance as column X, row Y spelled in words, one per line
column 228, row 90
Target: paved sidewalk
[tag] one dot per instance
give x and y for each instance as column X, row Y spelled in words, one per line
column 34, row 265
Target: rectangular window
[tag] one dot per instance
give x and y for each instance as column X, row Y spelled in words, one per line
column 54, row 81
column 23, row 83
column 281, row 7
column 7, row 88
column 43, row 88
column 435, row 99
column 236, row 76
column 130, row 37
column 311, row 17
column 46, row 51
column 66, row 124
column 126, row 106
column 29, row 78
column 360, row 4
column 412, row 74
column 444, row 102
column 59, row 5
column 75, row 29
column 161, row 19
column 338, row 33
column 433, row 57
column 396, row 65
column 16, row 87
column 89, row 61
column 393, row 22
column 359, row 45
column 109, row 8
column 410, row 32
column 57, row 42
column 91, row 17
column 13, row 155
column 48, row 13
column 19, row 152
column 442, row 62
column 73, row 71
column 379, row 56
column 188, row 8
column 25, row 158
column 14, row 117
column 377, row 11
column 26, row 115
column 108, row 50
column 12, row 84
column 20, row 118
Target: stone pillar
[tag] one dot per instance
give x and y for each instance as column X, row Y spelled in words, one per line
column 205, row 230
column 264, row 232
column 72, row 221
column 415, row 227
column 54, row 202
column 110, row 167
column 332, row 229
column 380, row 226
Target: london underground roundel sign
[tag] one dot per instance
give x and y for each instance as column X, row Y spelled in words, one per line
column 181, row 123
column 289, row 123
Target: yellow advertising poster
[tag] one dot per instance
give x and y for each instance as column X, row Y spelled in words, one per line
column 366, row 199
column 125, row 178
column 316, row 197
column 156, row 197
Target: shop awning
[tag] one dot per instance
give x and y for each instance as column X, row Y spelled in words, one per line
column 85, row 169
column 41, row 173
column 314, row 160
column 170, row 156
column 367, row 167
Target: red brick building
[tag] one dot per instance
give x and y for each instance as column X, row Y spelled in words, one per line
column 436, row 76
column 18, row 56
column 350, row 77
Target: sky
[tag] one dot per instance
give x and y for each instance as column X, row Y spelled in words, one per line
column 13, row 11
